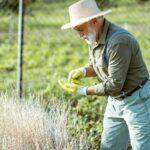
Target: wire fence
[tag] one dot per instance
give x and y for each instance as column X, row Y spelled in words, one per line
column 50, row 53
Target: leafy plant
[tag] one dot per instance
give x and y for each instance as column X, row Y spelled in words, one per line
column 13, row 4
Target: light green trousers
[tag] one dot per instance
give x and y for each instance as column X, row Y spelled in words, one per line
column 126, row 120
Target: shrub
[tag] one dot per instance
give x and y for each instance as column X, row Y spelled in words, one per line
column 27, row 126
column 13, row 4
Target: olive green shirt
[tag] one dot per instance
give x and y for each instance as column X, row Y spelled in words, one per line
column 125, row 69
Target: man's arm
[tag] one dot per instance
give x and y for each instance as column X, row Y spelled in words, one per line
column 119, row 60
column 90, row 72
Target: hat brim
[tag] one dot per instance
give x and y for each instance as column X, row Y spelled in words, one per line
column 84, row 20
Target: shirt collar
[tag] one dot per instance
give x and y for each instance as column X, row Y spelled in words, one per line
column 105, row 31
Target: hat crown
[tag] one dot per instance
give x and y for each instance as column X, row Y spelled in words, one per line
column 83, row 9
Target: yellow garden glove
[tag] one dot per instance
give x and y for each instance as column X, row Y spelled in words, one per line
column 72, row 88
column 76, row 75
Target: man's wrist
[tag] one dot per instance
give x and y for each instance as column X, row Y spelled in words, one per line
column 91, row 90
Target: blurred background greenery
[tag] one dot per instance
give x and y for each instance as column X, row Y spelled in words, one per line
column 50, row 53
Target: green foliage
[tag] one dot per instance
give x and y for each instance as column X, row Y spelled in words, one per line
column 13, row 4
column 112, row 3
column 142, row 1
column 86, row 116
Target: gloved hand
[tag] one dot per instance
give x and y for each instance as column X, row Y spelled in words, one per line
column 76, row 75
column 73, row 88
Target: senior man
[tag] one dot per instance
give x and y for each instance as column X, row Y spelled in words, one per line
column 116, row 60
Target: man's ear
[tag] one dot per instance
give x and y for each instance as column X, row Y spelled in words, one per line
column 94, row 21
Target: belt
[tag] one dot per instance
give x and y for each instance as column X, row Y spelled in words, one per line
column 131, row 92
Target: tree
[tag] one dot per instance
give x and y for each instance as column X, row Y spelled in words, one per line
column 13, row 4
column 112, row 3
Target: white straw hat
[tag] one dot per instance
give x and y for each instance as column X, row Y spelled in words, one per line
column 83, row 11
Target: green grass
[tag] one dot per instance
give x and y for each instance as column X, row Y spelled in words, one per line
column 49, row 54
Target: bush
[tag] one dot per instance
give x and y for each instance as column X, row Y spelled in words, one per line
column 112, row 3
column 27, row 126
column 13, row 4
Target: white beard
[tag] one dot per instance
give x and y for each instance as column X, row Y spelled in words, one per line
column 91, row 38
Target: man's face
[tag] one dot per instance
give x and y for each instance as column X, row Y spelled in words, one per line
column 87, row 32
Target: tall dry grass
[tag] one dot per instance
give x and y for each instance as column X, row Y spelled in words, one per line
column 26, row 126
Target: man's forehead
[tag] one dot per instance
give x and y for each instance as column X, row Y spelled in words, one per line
column 84, row 25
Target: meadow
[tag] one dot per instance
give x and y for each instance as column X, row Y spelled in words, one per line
column 49, row 55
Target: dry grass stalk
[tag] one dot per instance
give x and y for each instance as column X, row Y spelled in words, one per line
column 26, row 126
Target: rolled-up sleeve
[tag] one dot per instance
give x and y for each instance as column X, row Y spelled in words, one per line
column 119, row 56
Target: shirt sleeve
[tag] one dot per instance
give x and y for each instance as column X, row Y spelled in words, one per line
column 119, row 56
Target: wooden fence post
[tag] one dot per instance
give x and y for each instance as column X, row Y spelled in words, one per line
column 20, row 48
